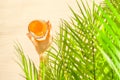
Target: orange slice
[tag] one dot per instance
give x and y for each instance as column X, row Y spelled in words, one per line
column 38, row 28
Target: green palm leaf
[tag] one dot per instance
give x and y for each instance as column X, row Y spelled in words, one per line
column 77, row 52
column 109, row 36
column 30, row 71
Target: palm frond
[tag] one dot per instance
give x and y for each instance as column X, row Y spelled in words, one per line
column 28, row 67
column 78, row 53
column 77, row 57
column 109, row 36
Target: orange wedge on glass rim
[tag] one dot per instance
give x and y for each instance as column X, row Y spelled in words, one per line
column 38, row 29
column 39, row 34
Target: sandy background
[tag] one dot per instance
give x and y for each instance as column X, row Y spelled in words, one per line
column 15, row 16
